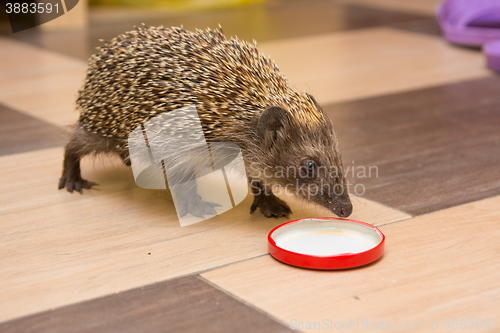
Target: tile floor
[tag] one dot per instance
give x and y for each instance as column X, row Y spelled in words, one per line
column 115, row 259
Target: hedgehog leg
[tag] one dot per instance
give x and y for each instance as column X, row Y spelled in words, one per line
column 71, row 176
column 269, row 204
column 188, row 200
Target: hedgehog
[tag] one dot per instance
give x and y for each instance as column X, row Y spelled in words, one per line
column 241, row 97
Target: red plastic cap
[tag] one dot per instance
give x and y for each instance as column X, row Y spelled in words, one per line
column 326, row 243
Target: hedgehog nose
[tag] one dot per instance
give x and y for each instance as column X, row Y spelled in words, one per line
column 344, row 209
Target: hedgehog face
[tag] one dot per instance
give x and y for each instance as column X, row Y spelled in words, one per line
column 314, row 172
column 321, row 182
column 303, row 159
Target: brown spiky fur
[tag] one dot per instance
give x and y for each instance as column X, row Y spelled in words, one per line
column 149, row 71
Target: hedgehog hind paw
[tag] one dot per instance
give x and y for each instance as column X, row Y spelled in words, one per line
column 197, row 207
column 270, row 206
column 75, row 184
column 205, row 208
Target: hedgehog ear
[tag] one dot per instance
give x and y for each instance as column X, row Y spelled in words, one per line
column 272, row 120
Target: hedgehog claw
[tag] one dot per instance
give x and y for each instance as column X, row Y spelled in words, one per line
column 197, row 207
column 77, row 184
column 270, row 206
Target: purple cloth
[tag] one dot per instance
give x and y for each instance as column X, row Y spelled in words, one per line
column 470, row 22
column 492, row 51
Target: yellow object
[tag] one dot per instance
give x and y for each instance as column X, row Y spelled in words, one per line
column 175, row 5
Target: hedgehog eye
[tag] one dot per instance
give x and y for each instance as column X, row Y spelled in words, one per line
column 310, row 166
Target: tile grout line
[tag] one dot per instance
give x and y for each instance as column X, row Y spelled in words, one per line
column 24, row 43
column 433, row 85
column 216, row 267
column 394, row 222
column 384, row 205
column 439, row 210
column 390, row 7
column 459, row 205
column 196, row 273
column 250, row 305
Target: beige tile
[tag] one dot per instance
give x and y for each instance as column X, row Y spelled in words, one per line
column 412, row 6
column 58, row 248
column 20, row 59
column 436, row 267
column 370, row 62
column 40, row 83
column 70, row 79
column 119, row 14
column 49, row 96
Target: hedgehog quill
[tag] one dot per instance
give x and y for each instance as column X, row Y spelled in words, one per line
column 240, row 96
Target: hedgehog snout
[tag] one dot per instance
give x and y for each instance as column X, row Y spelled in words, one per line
column 342, row 207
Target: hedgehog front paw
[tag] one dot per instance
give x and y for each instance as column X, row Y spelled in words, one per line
column 270, row 205
column 197, row 207
column 75, row 183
